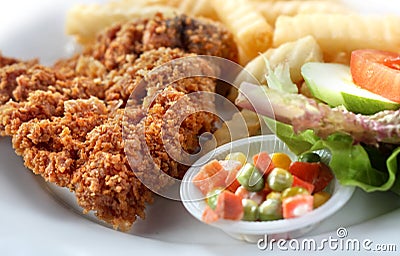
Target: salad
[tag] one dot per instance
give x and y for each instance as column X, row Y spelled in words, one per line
column 350, row 112
column 270, row 187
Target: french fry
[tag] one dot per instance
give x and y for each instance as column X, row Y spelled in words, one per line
column 271, row 10
column 200, row 8
column 229, row 130
column 252, row 32
column 341, row 33
column 85, row 21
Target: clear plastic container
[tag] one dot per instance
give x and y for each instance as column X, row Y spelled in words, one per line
column 252, row 231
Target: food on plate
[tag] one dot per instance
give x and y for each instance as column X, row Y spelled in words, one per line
column 363, row 150
column 97, row 17
column 85, row 21
column 333, row 83
column 265, row 192
column 340, row 33
column 252, row 22
column 66, row 120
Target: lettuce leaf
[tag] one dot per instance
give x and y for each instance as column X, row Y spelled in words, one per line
column 352, row 164
column 279, row 78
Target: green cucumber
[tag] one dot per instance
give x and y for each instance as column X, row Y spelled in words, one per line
column 332, row 83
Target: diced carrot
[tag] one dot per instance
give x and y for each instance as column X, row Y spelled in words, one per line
column 233, row 186
column 297, row 182
column 296, row 206
column 263, row 162
column 229, row 206
column 210, row 176
column 307, row 172
column 233, row 167
column 209, row 215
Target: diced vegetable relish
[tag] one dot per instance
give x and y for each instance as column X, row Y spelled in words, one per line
column 268, row 188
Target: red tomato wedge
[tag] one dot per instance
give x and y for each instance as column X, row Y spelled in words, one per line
column 377, row 71
column 297, row 182
column 232, row 186
column 229, row 206
column 211, row 176
column 307, row 172
column 296, row 206
column 263, row 162
column 325, row 176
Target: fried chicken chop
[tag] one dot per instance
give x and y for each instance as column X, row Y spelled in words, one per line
column 66, row 121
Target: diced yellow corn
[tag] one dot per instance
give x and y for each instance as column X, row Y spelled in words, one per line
column 281, row 160
column 320, row 198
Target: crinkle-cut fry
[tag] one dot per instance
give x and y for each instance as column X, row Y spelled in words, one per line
column 252, row 32
column 341, row 33
column 199, row 8
column 271, row 10
column 295, row 54
column 232, row 129
column 151, row 2
column 86, row 21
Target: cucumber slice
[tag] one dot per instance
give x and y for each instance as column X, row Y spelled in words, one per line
column 332, row 83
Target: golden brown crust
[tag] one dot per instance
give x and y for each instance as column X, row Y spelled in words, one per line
column 200, row 36
column 66, row 120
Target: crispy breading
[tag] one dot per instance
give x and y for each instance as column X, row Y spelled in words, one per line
column 67, row 120
column 122, row 42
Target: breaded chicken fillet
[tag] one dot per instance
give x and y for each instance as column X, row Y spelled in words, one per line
column 67, row 121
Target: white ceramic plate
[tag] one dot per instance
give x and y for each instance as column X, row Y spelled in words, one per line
column 33, row 222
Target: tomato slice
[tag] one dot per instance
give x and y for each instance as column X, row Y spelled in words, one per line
column 297, row 182
column 377, row 71
column 325, row 176
column 307, row 172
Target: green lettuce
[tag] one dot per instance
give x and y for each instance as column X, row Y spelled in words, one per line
column 353, row 164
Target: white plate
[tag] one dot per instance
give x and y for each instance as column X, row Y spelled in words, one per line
column 34, row 223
